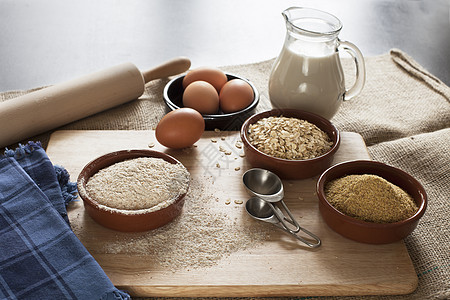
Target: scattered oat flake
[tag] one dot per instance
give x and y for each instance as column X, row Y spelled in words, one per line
column 222, row 138
column 227, row 152
column 217, row 165
column 228, row 201
column 238, row 144
column 238, row 201
column 216, row 129
column 242, row 155
column 237, row 168
column 151, row 145
column 213, row 140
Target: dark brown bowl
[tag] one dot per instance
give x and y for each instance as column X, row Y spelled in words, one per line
column 115, row 219
column 368, row 232
column 285, row 168
column 173, row 97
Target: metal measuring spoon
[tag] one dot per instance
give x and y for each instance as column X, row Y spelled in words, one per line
column 262, row 210
column 268, row 186
column 264, row 184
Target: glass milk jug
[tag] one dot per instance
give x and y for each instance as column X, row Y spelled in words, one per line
column 307, row 74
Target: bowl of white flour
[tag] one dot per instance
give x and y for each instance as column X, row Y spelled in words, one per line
column 133, row 190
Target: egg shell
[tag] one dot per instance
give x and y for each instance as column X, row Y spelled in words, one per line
column 201, row 96
column 180, row 128
column 235, row 95
column 216, row 77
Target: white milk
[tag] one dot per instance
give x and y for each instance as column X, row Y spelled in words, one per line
column 301, row 79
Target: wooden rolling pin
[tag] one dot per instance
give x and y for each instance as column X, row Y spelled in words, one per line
column 51, row 107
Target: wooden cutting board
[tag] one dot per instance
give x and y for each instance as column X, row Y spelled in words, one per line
column 278, row 266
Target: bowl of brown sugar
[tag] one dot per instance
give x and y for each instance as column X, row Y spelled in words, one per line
column 292, row 143
column 370, row 202
column 133, row 190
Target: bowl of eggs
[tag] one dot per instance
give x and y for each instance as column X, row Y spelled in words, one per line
column 224, row 100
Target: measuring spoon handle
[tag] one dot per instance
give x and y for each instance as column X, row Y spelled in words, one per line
column 317, row 243
column 291, row 219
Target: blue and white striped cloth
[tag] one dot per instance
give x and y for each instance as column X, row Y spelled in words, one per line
column 40, row 256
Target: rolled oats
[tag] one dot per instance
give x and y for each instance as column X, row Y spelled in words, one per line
column 289, row 138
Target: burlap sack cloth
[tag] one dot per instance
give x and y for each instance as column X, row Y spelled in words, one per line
column 403, row 115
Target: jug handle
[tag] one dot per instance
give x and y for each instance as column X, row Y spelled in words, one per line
column 360, row 69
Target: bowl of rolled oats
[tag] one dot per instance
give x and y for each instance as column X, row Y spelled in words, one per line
column 294, row 144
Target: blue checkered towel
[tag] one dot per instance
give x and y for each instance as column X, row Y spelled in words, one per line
column 40, row 256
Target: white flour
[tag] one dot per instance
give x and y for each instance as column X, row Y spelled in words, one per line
column 201, row 236
column 138, row 185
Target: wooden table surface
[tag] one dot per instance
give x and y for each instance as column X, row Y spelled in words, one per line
column 277, row 265
column 44, row 42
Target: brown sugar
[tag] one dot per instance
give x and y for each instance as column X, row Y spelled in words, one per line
column 370, row 198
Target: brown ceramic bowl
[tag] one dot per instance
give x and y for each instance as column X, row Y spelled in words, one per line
column 115, row 219
column 368, row 232
column 285, row 168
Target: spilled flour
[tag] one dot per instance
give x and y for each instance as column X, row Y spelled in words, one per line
column 207, row 231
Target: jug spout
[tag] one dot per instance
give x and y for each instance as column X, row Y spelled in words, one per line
column 311, row 22
column 286, row 14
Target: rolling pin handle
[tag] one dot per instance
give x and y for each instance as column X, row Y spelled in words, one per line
column 172, row 67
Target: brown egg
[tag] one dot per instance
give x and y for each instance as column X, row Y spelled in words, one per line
column 201, row 96
column 235, row 95
column 180, row 128
column 214, row 76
